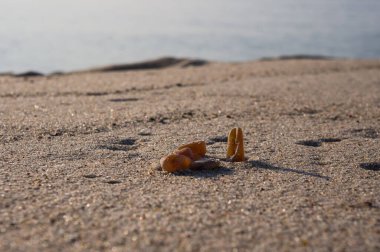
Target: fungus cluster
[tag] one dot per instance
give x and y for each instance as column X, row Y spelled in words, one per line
column 193, row 155
column 184, row 157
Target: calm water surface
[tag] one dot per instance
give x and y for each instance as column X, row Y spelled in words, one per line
column 51, row 35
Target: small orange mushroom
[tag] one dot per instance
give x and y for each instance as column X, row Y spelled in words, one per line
column 198, row 148
column 185, row 152
column 175, row 162
column 235, row 145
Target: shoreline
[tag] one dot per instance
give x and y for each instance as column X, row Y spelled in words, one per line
column 160, row 63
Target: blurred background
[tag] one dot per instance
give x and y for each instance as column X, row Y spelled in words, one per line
column 63, row 35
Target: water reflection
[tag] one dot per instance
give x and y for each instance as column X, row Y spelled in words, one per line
column 69, row 34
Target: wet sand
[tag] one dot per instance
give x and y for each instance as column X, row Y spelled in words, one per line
column 78, row 154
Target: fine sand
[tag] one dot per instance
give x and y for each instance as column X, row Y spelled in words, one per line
column 79, row 154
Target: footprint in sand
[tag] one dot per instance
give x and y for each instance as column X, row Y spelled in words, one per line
column 371, row 166
column 125, row 144
column 123, row 99
column 318, row 142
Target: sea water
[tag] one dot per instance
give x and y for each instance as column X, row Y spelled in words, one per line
column 63, row 35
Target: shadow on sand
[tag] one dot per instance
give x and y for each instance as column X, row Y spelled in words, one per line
column 267, row 166
column 223, row 171
column 207, row 173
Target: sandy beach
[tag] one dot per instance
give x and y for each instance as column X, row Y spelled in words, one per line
column 79, row 154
